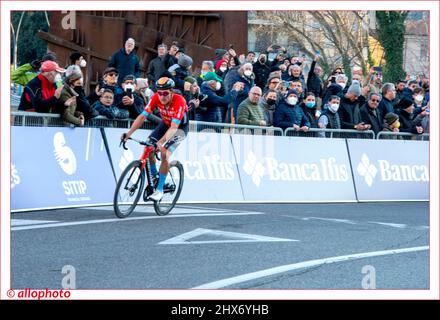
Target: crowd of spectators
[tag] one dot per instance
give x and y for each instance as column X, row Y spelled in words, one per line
column 266, row 89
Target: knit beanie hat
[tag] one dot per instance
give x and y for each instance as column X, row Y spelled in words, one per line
column 355, row 89
column 185, row 61
column 391, row 117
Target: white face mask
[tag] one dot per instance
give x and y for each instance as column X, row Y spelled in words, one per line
column 419, row 98
column 83, row 63
column 218, row 86
column 57, row 78
column 223, row 69
column 342, row 84
column 292, row 100
column 334, row 107
column 247, row 73
column 129, row 86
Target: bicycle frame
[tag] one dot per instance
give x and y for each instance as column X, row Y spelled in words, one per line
column 145, row 162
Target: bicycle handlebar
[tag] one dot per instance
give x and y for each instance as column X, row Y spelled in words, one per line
column 144, row 143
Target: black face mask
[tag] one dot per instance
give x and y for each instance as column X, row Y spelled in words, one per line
column 262, row 61
column 271, row 102
column 77, row 89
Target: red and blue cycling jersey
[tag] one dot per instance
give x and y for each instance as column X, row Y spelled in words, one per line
column 175, row 112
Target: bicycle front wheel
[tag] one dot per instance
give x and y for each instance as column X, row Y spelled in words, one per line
column 172, row 189
column 128, row 189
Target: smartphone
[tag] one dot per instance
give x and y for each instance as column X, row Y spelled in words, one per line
column 377, row 69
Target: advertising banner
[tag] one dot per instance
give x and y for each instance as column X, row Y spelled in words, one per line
column 289, row 169
column 207, row 158
column 53, row 167
column 390, row 169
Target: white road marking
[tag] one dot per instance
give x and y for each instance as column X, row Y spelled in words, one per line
column 23, row 222
column 331, row 220
column 394, row 225
column 387, row 224
column 301, row 265
column 150, row 209
column 236, row 237
column 76, row 223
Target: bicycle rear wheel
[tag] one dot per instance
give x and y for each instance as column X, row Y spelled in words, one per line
column 172, row 189
column 128, row 189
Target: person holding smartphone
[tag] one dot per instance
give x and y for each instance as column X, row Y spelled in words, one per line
column 129, row 99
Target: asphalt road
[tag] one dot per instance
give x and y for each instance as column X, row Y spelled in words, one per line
column 246, row 246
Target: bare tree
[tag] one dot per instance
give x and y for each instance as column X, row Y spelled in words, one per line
column 340, row 36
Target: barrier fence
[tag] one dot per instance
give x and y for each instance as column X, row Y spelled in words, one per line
column 78, row 168
column 34, row 119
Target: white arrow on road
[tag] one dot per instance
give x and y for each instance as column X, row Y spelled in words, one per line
column 236, row 237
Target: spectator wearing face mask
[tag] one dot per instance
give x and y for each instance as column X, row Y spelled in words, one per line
column 68, row 110
column 214, row 104
column 289, row 114
column 243, row 81
column 41, row 93
column 309, row 108
column 207, row 66
column 269, row 102
column 128, row 99
column 391, row 124
column 261, row 70
column 221, row 68
column 77, row 59
column 329, row 118
column 419, row 100
column 143, row 89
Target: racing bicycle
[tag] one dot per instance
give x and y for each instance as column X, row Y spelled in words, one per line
column 130, row 186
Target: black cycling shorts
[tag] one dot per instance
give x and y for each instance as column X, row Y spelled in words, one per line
column 176, row 139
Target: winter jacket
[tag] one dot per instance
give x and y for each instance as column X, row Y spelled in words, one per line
column 249, row 113
column 69, row 114
column 125, row 64
column 38, row 95
column 373, row 117
column 314, row 83
column 349, row 113
column 111, row 112
column 287, row 115
column 23, row 74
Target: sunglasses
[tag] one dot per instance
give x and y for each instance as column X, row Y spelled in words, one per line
column 163, row 93
column 375, row 100
column 112, row 74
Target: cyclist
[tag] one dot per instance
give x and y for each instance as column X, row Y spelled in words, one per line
column 169, row 133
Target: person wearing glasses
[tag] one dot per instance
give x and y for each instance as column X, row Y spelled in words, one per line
column 169, row 133
column 371, row 115
column 109, row 81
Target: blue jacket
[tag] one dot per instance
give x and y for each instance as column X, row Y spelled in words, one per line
column 126, row 64
column 286, row 115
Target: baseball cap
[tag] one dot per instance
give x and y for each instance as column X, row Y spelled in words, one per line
column 212, row 76
column 48, row 66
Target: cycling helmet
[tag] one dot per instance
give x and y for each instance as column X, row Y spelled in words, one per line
column 164, row 83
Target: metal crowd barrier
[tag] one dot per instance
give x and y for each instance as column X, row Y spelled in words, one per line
column 35, row 119
column 330, row 133
column 198, row 126
column 402, row 136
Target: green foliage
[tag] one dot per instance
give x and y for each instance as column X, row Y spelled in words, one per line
column 30, row 46
column 391, row 34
